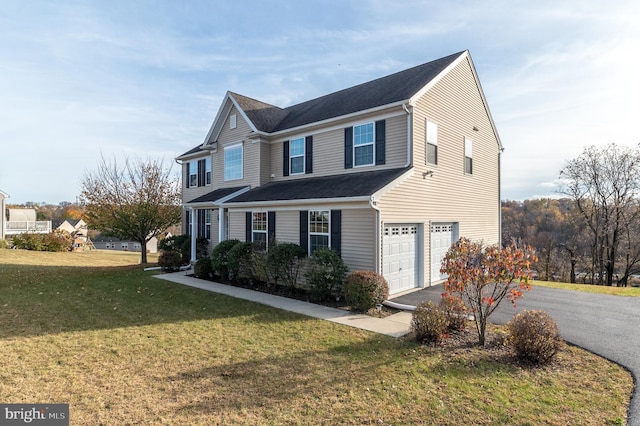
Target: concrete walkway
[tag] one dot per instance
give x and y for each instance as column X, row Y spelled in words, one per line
column 395, row 325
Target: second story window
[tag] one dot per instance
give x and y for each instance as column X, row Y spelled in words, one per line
column 468, row 156
column 363, row 145
column 233, row 162
column 432, row 142
column 296, row 156
column 193, row 173
column 207, row 170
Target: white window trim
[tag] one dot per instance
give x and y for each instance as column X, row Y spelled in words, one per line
column 193, row 171
column 468, row 153
column 304, row 156
column 207, row 223
column 266, row 227
column 430, row 129
column 207, row 171
column 228, row 148
column 373, row 144
column 327, row 234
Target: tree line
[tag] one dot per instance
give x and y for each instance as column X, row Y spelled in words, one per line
column 592, row 234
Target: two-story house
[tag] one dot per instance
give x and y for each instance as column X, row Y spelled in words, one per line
column 389, row 173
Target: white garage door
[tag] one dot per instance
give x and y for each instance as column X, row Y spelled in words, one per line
column 399, row 247
column 441, row 239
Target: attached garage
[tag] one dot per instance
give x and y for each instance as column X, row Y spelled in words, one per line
column 400, row 256
column 442, row 235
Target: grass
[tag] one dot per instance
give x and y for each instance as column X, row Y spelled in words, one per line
column 590, row 288
column 122, row 347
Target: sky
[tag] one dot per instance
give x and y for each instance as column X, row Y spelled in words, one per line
column 81, row 80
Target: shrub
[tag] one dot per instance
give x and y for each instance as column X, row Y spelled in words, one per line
column 58, row 240
column 182, row 243
column 327, row 274
column 239, row 259
column 220, row 257
column 203, row 268
column 455, row 311
column 170, row 261
column 364, row 290
column 429, row 322
column 3, row 244
column 28, row 241
column 283, row 262
column 534, row 336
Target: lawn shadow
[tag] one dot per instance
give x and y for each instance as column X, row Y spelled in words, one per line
column 41, row 300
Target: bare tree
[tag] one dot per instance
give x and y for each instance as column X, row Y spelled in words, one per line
column 605, row 183
column 136, row 202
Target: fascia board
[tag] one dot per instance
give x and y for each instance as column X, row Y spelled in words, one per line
column 437, row 78
column 394, row 183
column 361, row 200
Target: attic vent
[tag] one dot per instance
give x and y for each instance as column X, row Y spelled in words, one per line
column 232, row 121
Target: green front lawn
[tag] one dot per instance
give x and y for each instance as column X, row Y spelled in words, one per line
column 590, row 288
column 122, row 347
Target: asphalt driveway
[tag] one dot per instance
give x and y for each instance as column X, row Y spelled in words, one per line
column 605, row 325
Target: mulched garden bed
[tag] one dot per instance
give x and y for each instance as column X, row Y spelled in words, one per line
column 298, row 294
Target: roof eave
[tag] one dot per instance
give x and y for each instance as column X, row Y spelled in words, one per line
column 339, row 118
column 299, row 202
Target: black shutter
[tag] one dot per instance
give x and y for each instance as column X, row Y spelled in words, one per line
column 187, row 227
column 380, row 141
column 201, row 166
column 247, row 236
column 336, row 230
column 271, row 228
column 348, row 148
column 201, row 214
column 285, row 158
column 304, row 230
column 188, row 174
column 308, row 155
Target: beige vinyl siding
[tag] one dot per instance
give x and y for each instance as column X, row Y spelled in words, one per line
column 288, row 226
column 193, row 192
column 237, row 222
column 228, row 134
column 358, row 239
column 265, row 163
column 215, row 234
column 472, row 201
column 328, row 149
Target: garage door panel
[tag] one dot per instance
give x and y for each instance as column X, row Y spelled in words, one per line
column 399, row 256
column 441, row 239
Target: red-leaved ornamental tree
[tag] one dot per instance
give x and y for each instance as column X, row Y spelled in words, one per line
column 483, row 276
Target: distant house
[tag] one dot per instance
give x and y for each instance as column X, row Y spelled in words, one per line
column 72, row 226
column 3, row 218
column 19, row 221
column 102, row 242
column 388, row 173
column 77, row 228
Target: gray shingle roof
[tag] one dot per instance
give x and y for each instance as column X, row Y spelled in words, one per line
column 216, row 195
column 336, row 186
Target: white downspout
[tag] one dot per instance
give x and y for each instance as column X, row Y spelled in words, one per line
column 194, row 233
column 378, row 251
column 409, row 136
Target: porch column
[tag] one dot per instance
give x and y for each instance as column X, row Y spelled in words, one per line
column 194, row 233
column 221, row 225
